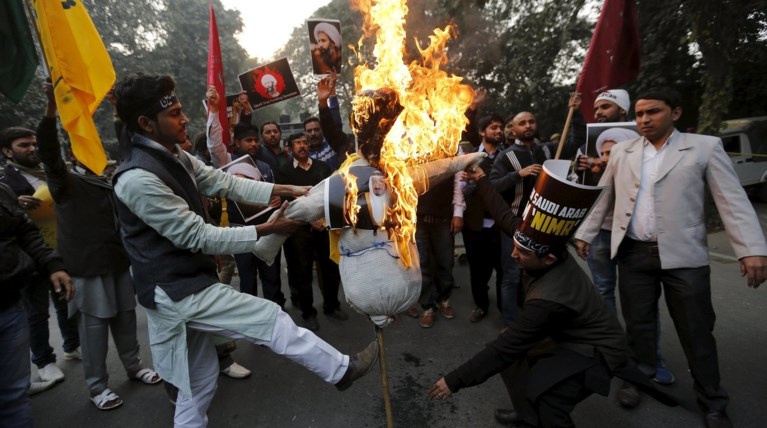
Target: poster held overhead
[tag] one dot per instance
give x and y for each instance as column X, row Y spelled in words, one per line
column 326, row 44
column 269, row 84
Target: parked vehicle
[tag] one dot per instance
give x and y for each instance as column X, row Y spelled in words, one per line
column 745, row 141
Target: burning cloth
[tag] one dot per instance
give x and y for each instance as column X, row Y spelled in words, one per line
column 379, row 268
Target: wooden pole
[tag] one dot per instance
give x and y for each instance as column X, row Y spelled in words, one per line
column 564, row 132
column 384, row 377
column 32, row 21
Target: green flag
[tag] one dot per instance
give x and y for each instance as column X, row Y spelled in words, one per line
column 18, row 64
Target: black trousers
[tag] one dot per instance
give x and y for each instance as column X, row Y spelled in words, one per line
column 302, row 249
column 550, row 408
column 251, row 268
column 688, row 297
column 483, row 251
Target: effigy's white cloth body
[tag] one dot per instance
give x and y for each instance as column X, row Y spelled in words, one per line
column 375, row 282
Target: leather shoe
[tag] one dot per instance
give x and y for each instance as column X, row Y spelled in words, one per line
column 628, row 396
column 717, row 420
column 507, row 416
column 427, row 318
column 359, row 365
column 477, row 315
column 445, row 309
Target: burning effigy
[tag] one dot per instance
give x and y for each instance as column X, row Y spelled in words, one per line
column 407, row 120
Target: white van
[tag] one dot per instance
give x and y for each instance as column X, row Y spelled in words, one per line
column 745, row 141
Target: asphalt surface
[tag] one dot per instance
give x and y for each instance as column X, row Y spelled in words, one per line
column 283, row 394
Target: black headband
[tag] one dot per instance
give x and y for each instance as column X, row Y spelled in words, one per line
column 527, row 243
column 161, row 104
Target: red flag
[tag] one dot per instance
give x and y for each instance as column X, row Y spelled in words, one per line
column 216, row 74
column 613, row 56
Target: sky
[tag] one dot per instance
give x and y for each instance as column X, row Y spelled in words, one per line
column 270, row 23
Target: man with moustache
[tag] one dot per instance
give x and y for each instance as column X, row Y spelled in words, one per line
column 310, row 242
column 655, row 187
column 480, row 234
column 158, row 190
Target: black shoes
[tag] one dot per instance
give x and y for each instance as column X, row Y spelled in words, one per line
column 628, row 396
column 359, row 365
column 507, row 417
column 717, row 420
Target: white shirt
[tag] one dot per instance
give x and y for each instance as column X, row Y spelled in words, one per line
column 642, row 224
column 297, row 164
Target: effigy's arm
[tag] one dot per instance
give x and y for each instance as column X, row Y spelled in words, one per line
column 307, row 208
column 432, row 173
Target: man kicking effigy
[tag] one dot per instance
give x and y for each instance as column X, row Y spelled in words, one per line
column 158, row 190
column 565, row 344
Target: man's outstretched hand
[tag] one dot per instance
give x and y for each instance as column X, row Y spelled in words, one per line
column 279, row 223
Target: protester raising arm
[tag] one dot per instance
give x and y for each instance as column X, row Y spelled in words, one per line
column 219, row 156
column 330, row 117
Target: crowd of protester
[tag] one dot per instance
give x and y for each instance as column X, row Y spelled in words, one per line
column 96, row 273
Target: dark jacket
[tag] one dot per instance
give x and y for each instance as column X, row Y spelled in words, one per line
column 564, row 324
column 475, row 208
column 505, row 176
column 156, row 261
column 22, row 250
column 87, row 232
column 16, row 181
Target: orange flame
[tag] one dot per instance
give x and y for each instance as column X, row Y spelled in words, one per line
column 434, row 102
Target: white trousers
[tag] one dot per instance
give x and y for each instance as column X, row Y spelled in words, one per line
column 300, row 345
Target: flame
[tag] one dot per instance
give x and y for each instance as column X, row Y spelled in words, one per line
column 430, row 125
column 350, row 200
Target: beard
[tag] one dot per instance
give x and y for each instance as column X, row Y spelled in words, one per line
column 29, row 161
column 330, row 57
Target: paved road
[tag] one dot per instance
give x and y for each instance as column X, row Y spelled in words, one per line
column 282, row 394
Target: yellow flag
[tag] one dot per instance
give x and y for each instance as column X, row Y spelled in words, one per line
column 81, row 72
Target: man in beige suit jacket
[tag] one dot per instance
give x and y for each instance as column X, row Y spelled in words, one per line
column 655, row 187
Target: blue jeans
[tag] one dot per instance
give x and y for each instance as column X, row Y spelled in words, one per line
column 15, row 406
column 35, row 297
column 512, row 278
column 603, row 269
column 436, row 247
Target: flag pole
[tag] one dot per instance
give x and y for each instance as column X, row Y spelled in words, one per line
column 564, row 131
column 32, row 22
column 384, row 377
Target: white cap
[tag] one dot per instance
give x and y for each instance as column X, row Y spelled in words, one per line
column 245, row 169
column 330, row 30
column 617, row 96
column 616, row 135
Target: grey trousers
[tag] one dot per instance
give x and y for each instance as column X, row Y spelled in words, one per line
column 94, row 336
